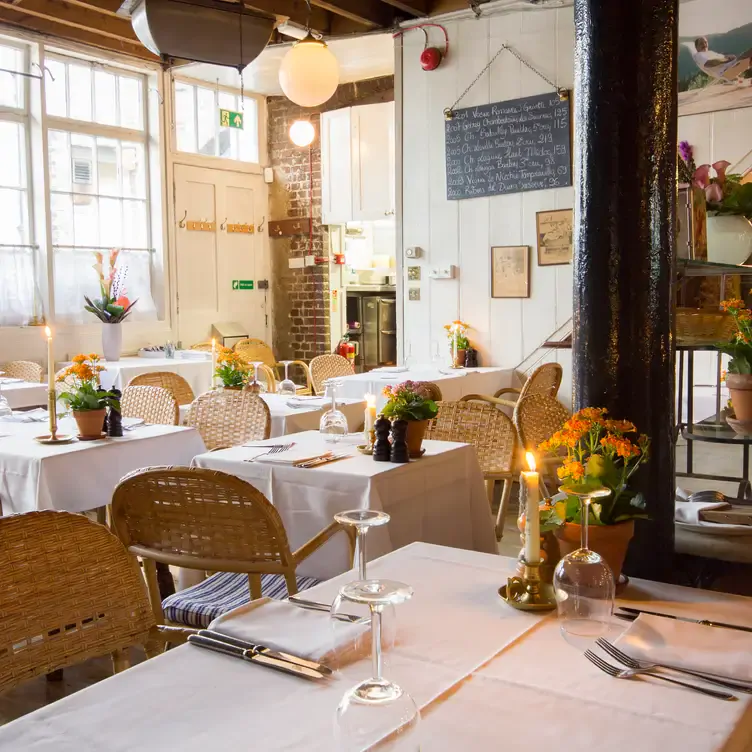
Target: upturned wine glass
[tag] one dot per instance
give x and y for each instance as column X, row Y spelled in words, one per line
column 583, row 581
column 5, row 408
column 333, row 425
column 287, row 387
column 377, row 708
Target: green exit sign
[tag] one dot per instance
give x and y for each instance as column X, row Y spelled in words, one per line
column 230, row 119
column 242, row 284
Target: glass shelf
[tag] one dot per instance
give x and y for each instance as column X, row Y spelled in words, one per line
column 687, row 268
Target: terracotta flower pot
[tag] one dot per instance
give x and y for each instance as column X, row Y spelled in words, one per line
column 459, row 359
column 740, row 389
column 610, row 541
column 89, row 423
column 416, row 430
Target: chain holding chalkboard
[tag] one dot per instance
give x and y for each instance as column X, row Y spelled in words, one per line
column 563, row 93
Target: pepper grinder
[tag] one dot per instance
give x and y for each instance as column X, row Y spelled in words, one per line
column 381, row 447
column 400, row 452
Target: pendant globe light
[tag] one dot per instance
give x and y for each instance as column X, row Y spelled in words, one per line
column 309, row 74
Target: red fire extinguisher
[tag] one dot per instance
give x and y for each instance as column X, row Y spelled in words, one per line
column 346, row 349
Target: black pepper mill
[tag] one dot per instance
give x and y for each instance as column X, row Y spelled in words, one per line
column 381, row 448
column 115, row 422
column 400, row 452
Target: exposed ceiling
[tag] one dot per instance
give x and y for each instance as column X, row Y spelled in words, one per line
column 98, row 23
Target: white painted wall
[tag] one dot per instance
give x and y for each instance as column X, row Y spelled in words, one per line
column 462, row 232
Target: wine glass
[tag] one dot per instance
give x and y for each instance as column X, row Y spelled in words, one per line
column 286, row 387
column 5, row 408
column 377, row 708
column 256, row 386
column 583, row 581
column 362, row 520
column 333, row 423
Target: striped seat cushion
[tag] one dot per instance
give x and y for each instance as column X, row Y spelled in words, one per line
column 197, row 606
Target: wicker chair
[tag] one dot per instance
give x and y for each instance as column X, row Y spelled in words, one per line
column 70, row 592
column 22, row 369
column 256, row 350
column 226, row 417
column 61, row 386
column 494, row 438
column 150, row 403
column 202, row 347
column 208, row 520
column 174, row 383
column 543, row 380
column 325, row 367
column 431, row 390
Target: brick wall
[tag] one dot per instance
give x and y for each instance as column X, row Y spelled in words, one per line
column 301, row 296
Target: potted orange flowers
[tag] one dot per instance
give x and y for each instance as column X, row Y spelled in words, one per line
column 458, row 342
column 739, row 374
column 82, row 394
column 599, row 452
column 232, row 370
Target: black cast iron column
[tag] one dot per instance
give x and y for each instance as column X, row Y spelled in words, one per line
column 625, row 182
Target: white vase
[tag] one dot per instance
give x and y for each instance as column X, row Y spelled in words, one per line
column 112, row 341
column 729, row 239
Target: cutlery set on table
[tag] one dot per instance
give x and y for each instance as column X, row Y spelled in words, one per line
column 272, row 452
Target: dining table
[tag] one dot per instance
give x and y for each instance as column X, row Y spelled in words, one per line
column 81, row 475
column 438, row 498
column 23, row 394
column 484, row 676
column 453, row 382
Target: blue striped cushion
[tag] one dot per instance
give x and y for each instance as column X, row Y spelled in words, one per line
column 197, row 606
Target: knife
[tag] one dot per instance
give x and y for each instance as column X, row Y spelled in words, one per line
column 706, row 622
column 326, row 608
column 220, row 646
column 263, row 650
column 323, row 460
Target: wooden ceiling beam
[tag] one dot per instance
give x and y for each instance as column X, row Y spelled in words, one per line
column 105, row 10
column 295, row 10
column 416, row 8
column 372, row 14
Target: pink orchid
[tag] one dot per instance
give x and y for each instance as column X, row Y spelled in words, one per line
column 702, row 176
column 714, row 193
column 720, row 168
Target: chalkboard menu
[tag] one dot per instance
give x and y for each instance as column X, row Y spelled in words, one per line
column 509, row 147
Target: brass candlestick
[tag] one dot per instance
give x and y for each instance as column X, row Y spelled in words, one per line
column 528, row 593
column 52, row 409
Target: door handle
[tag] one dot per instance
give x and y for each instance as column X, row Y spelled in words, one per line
column 389, row 331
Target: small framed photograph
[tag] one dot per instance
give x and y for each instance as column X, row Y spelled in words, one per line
column 510, row 271
column 554, row 232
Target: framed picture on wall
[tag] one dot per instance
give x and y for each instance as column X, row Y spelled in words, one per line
column 554, row 233
column 510, row 271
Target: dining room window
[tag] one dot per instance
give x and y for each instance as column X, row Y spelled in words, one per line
column 19, row 300
column 98, row 161
column 201, row 129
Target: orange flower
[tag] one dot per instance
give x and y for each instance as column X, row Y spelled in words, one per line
column 591, row 413
column 79, row 358
column 732, row 304
column 622, row 447
column 577, row 424
column 571, row 469
column 620, row 426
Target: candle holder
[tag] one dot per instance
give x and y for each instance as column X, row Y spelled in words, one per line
column 528, row 593
column 53, row 437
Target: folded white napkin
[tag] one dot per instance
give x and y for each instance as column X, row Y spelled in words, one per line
column 688, row 512
column 298, row 402
column 193, row 354
column 712, row 650
column 281, row 625
column 290, row 456
column 9, row 380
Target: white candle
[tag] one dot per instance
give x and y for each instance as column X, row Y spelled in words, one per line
column 50, row 360
column 532, row 516
column 214, row 363
column 370, row 414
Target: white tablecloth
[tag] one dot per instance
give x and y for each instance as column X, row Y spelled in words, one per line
column 119, row 373
column 24, row 394
column 453, row 384
column 439, row 498
column 82, row 475
column 486, row 677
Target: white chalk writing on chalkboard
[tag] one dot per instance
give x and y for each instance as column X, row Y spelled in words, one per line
column 509, row 147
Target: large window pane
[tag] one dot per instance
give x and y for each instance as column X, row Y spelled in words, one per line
column 83, row 167
column 108, row 172
column 105, row 98
column 133, row 169
column 13, row 225
column 185, row 117
column 248, row 143
column 131, row 114
column 13, row 151
column 58, row 146
column 79, row 86
column 135, row 234
column 57, row 90
column 12, row 87
column 85, row 221
column 110, row 222
column 61, row 216
column 208, row 119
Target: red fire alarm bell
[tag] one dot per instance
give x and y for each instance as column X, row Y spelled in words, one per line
column 430, row 58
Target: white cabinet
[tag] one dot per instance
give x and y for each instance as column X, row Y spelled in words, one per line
column 357, row 163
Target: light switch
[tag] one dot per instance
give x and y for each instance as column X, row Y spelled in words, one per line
column 443, row 272
column 296, row 263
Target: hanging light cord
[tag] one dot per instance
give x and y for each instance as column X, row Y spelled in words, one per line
column 310, row 245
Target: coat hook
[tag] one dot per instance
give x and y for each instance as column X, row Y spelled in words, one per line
column 181, row 224
column 222, row 225
column 261, row 224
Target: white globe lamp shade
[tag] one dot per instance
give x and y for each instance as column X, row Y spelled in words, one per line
column 302, row 133
column 309, row 74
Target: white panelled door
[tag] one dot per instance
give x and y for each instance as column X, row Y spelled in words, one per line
column 215, row 267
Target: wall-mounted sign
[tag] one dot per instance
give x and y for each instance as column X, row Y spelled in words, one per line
column 242, row 284
column 230, row 119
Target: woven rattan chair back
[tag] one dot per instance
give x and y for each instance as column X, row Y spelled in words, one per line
column 537, row 417
column 62, row 386
column 202, row 519
column 202, row 347
column 70, row 592
column 173, row 382
column 325, row 367
column 22, row 369
column 430, row 389
column 482, row 425
column 252, row 349
column 228, row 417
column 543, row 380
column 150, row 403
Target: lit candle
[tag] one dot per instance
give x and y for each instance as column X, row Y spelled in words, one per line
column 530, row 479
column 214, row 362
column 50, row 360
column 370, row 414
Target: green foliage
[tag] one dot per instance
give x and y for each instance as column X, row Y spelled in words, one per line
column 231, row 376
column 738, row 199
column 85, row 397
column 407, row 402
column 106, row 311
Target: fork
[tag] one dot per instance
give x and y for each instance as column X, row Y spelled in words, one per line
column 273, row 449
column 630, row 662
column 619, row 673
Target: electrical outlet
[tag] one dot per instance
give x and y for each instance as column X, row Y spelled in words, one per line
column 263, row 284
column 268, row 175
column 443, row 272
column 310, row 260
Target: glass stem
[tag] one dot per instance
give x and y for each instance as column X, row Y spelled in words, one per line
column 287, row 365
column 585, row 514
column 334, row 398
column 362, row 553
column 255, row 373
column 376, row 641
